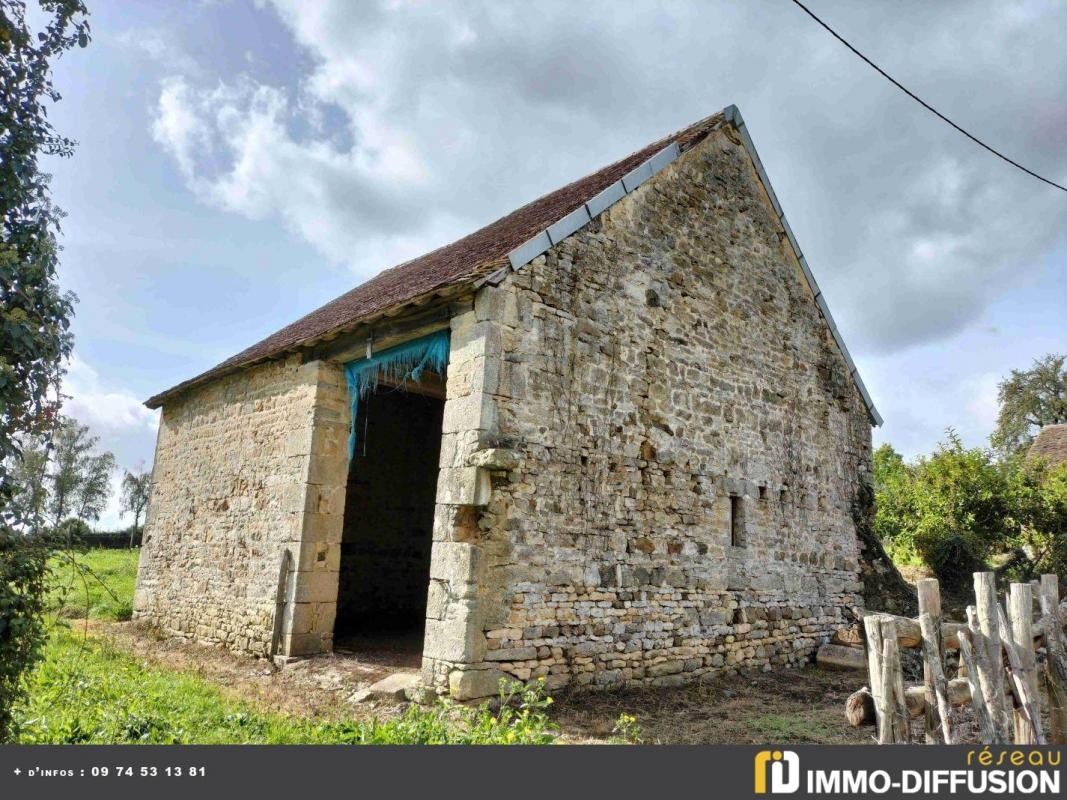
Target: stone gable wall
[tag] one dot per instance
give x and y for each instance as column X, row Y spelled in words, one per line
column 662, row 359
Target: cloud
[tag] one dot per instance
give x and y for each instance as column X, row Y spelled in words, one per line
column 236, row 148
column 105, row 409
column 412, row 123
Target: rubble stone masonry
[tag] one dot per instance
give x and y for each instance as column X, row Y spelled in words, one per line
column 248, row 467
column 653, row 464
column 675, row 449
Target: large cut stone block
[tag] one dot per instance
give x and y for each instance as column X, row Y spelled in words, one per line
column 463, row 486
column 456, row 640
column 475, row 683
column 457, row 563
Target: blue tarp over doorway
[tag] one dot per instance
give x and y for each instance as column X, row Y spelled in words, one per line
column 401, row 364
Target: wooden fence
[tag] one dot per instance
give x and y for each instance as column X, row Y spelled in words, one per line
column 999, row 672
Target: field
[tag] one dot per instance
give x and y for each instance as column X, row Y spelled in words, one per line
column 97, row 584
column 107, row 680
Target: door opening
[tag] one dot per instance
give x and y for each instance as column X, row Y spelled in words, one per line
column 388, row 520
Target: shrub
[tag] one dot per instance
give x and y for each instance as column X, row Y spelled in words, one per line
column 961, row 510
column 23, row 570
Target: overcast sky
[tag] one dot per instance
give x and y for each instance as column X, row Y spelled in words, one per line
column 242, row 163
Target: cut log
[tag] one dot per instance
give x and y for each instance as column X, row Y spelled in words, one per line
column 835, row 656
column 859, row 708
column 852, row 636
column 959, row 694
column 909, row 636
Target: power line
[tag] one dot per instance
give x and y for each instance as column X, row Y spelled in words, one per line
column 923, row 103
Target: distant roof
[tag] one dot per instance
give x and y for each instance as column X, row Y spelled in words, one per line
column 1051, row 444
column 510, row 242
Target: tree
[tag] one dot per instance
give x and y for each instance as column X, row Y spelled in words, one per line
column 135, row 486
column 950, row 510
column 79, row 478
column 29, row 475
column 960, row 510
column 34, row 313
column 1030, row 399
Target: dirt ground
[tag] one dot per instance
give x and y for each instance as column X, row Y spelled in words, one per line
column 318, row 687
column 784, row 706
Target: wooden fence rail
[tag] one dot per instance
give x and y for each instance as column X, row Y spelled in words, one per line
column 999, row 673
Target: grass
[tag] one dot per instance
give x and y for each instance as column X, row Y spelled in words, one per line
column 88, row 691
column 97, row 583
column 97, row 685
column 797, row 728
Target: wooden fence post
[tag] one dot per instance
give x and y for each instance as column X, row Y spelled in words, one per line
column 1028, row 729
column 936, row 686
column 994, row 702
column 987, row 647
column 893, row 685
column 1020, row 612
column 1055, row 660
column 930, row 605
column 873, row 629
column 981, row 712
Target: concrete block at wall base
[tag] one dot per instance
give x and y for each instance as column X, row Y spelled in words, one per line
column 307, row 644
column 312, row 618
column 475, row 683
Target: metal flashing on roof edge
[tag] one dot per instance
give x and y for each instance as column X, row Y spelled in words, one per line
column 733, row 115
column 606, row 199
column 529, row 250
column 638, row 175
column 568, row 225
column 664, row 157
column 561, row 229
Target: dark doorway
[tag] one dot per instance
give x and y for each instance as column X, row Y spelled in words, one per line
column 388, row 523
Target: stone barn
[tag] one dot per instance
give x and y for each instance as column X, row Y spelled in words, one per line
column 612, row 438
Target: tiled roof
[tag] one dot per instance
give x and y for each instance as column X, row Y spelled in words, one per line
column 1051, row 444
column 463, row 261
column 509, row 243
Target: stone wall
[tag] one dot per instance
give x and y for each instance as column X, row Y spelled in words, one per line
column 628, row 383
column 247, row 467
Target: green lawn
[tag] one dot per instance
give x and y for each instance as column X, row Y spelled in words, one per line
column 97, row 583
column 88, row 691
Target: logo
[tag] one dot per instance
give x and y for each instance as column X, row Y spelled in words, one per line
column 784, row 769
